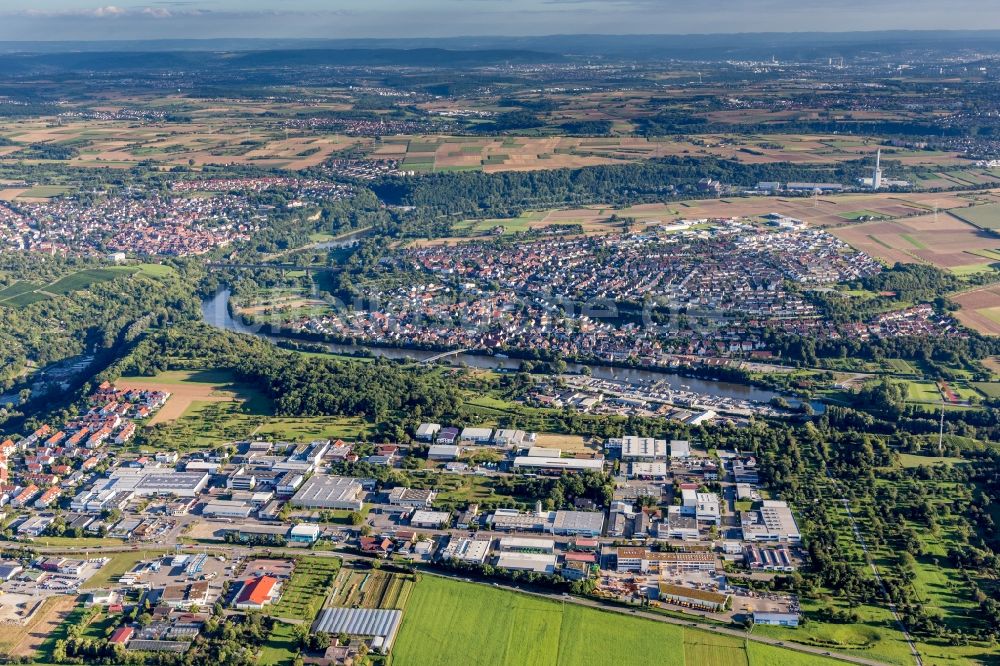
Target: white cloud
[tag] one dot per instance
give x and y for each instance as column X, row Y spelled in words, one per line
column 105, row 11
column 156, row 12
column 110, row 10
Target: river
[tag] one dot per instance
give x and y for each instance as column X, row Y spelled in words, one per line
column 343, row 240
column 215, row 311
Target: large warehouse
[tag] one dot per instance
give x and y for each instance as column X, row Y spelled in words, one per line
column 377, row 624
column 330, row 492
column 578, row 523
column 557, row 465
column 643, row 448
column 159, row 482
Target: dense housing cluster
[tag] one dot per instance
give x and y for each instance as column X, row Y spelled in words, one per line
column 138, row 225
column 146, row 224
column 644, row 296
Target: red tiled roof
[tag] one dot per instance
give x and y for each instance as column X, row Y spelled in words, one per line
column 121, row 635
column 581, row 557
column 257, row 591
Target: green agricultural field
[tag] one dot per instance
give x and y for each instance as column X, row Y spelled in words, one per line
column 971, row 269
column 370, row 588
column 305, row 593
column 44, row 192
column 24, row 300
column 513, row 225
column 23, row 294
column 208, row 408
column 984, row 217
column 86, row 279
column 923, row 392
column 901, row 366
column 986, row 254
column 447, row 622
column 156, row 270
column 302, row 429
column 17, row 289
column 702, row 647
column 759, row 654
column 912, row 460
column 913, row 241
column 206, row 423
column 989, row 389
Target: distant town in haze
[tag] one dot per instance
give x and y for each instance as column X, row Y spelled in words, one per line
column 568, row 333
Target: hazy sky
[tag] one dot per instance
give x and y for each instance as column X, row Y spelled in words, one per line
column 145, row 19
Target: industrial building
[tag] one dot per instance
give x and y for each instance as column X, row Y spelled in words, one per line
column 768, row 559
column 426, row 432
column 680, row 448
column 411, row 497
column 643, row 448
column 693, row 598
column 512, row 520
column 776, row 619
column 258, row 592
column 509, row 438
column 557, row 465
column 145, row 483
column 772, row 522
column 304, row 533
column 677, row 526
column 656, row 471
column 443, row 452
column 226, row 509
column 537, row 562
column 330, row 492
column 466, row 550
column 578, row 523
column 645, row 561
column 527, row 545
column 477, row 435
column 429, row 519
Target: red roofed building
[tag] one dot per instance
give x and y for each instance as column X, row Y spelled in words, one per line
column 55, row 439
column 47, row 498
column 258, row 592
column 373, row 545
column 22, row 498
column 121, row 635
column 579, row 556
column 126, row 433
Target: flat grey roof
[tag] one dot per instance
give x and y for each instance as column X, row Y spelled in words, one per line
column 170, row 480
column 328, row 488
column 592, row 521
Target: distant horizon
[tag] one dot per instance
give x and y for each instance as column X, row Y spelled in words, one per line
column 142, row 20
column 498, row 36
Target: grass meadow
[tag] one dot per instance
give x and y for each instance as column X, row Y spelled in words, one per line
column 448, row 622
